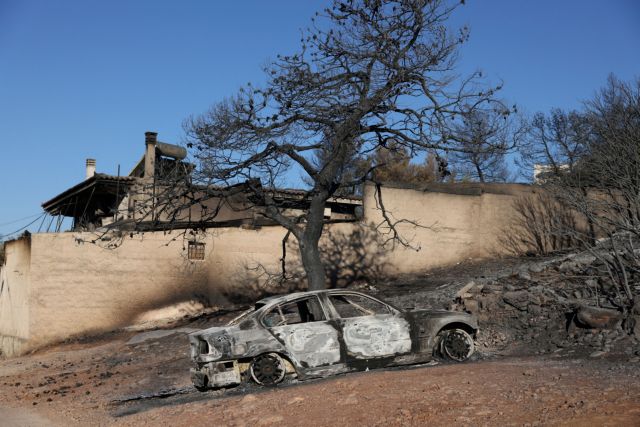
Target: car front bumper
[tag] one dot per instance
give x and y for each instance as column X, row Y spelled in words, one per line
column 216, row 374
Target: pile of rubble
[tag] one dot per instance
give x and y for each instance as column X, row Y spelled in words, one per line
column 562, row 304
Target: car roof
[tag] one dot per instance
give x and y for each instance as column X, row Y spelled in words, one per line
column 296, row 295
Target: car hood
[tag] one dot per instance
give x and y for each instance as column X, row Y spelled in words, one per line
column 445, row 315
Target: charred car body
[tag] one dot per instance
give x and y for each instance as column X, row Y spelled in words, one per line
column 320, row 333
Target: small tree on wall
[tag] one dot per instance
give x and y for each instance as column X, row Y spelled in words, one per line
column 486, row 138
column 370, row 75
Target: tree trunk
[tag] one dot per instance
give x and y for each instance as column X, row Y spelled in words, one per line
column 479, row 172
column 309, row 241
column 310, row 254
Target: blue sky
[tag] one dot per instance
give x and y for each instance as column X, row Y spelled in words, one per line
column 83, row 78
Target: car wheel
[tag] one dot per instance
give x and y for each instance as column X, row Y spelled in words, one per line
column 455, row 344
column 267, row 369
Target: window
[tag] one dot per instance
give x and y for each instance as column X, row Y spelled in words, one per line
column 292, row 313
column 357, row 305
column 195, row 250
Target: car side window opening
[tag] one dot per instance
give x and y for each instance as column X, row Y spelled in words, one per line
column 295, row 312
column 356, row 306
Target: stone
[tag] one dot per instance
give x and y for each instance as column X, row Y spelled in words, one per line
column 517, row 299
column 569, row 267
column 464, row 292
column 537, row 268
column 636, row 307
column 592, row 283
column 636, row 325
column 297, row 399
column 534, row 309
column 598, row 318
column 471, row 305
column 584, row 259
column 248, row 399
column 524, row 275
column 491, row 288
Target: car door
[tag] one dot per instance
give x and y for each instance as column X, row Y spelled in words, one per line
column 370, row 328
column 301, row 325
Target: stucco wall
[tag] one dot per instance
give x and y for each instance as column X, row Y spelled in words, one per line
column 79, row 287
column 14, row 297
column 62, row 286
column 65, row 286
column 456, row 223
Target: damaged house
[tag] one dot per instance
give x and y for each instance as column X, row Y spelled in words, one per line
column 101, row 275
column 149, row 199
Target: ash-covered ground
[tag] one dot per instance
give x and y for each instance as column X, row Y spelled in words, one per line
column 552, row 349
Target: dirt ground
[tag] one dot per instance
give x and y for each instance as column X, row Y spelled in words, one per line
column 142, row 378
column 110, row 382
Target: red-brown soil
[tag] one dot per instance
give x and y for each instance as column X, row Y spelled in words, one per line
column 90, row 384
column 525, row 372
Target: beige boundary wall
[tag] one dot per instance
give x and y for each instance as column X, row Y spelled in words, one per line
column 14, row 297
column 457, row 222
column 56, row 286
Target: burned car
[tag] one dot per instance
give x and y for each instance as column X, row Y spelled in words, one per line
column 320, row 333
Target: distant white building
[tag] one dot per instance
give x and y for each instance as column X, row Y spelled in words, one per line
column 541, row 172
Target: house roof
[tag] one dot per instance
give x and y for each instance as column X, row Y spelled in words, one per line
column 103, row 185
column 66, row 202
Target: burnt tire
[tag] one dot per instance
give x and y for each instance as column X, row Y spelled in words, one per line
column 454, row 344
column 267, row 369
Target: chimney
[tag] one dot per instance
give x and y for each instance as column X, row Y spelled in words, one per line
column 90, row 168
column 150, row 139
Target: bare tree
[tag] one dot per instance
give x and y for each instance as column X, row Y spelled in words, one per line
column 603, row 185
column 540, row 225
column 486, row 138
column 368, row 72
column 556, row 142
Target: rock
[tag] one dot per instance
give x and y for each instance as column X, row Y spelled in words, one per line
column 636, row 307
column 592, row 283
column 598, row 353
column 534, row 309
column 471, row 305
column 517, row 299
column 598, row 318
column 636, row 325
column 491, row 288
column 248, row 399
column 569, row 267
column 584, row 259
column 524, row 275
column 295, row 400
column 537, row 268
column 464, row 292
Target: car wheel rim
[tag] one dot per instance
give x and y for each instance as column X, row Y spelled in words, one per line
column 267, row 369
column 457, row 345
